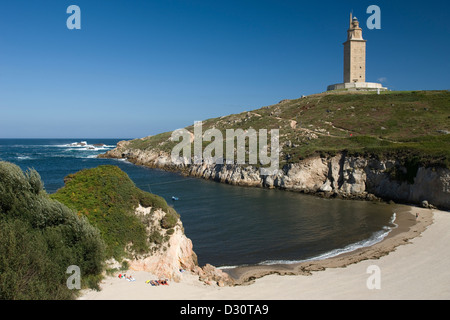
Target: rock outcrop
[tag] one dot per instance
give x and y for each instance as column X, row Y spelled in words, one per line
column 211, row 275
column 171, row 252
column 353, row 177
column 170, row 249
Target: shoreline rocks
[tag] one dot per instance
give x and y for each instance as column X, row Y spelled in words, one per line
column 341, row 176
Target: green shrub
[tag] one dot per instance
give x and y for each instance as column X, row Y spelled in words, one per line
column 156, row 238
column 170, row 219
column 152, row 200
column 407, row 173
column 40, row 239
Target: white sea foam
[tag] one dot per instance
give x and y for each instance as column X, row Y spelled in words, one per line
column 121, row 160
column 87, row 147
column 24, row 158
column 82, row 145
column 72, row 146
column 228, row 267
column 375, row 238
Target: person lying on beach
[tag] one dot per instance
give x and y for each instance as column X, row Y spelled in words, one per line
column 153, row 283
column 164, row 282
column 158, row 282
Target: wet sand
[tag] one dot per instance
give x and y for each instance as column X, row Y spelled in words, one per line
column 407, row 228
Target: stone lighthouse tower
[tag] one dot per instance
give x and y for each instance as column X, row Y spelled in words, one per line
column 354, row 54
column 355, row 62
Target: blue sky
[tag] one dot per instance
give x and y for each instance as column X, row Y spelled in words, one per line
column 138, row 68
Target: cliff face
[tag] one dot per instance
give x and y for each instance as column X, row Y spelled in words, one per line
column 339, row 176
column 170, row 252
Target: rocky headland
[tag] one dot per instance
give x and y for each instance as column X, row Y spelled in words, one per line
column 391, row 146
column 342, row 176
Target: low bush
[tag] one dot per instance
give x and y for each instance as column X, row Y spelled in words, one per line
column 40, row 239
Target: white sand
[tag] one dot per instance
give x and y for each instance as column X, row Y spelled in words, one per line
column 417, row 270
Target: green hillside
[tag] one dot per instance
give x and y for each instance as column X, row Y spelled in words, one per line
column 107, row 197
column 411, row 125
column 40, row 238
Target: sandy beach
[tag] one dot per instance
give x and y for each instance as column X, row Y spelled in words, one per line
column 413, row 262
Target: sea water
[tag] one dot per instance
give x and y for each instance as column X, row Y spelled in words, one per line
column 229, row 225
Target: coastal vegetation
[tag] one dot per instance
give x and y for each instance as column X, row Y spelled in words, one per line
column 88, row 221
column 40, row 239
column 403, row 125
column 107, row 197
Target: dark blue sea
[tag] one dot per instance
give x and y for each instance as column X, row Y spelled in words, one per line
column 229, row 225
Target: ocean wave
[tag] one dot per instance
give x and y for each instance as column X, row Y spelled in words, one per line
column 123, row 160
column 78, row 156
column 67, row 156
column 374, row 239
column 73, row 147
column 230, row 267
column 82, row 145
column 88, row 147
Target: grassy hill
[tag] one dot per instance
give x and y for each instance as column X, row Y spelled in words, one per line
column 107, row 197
column 410, row 126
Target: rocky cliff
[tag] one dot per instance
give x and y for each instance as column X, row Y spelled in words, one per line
column 353, row 177
column 169, row 252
